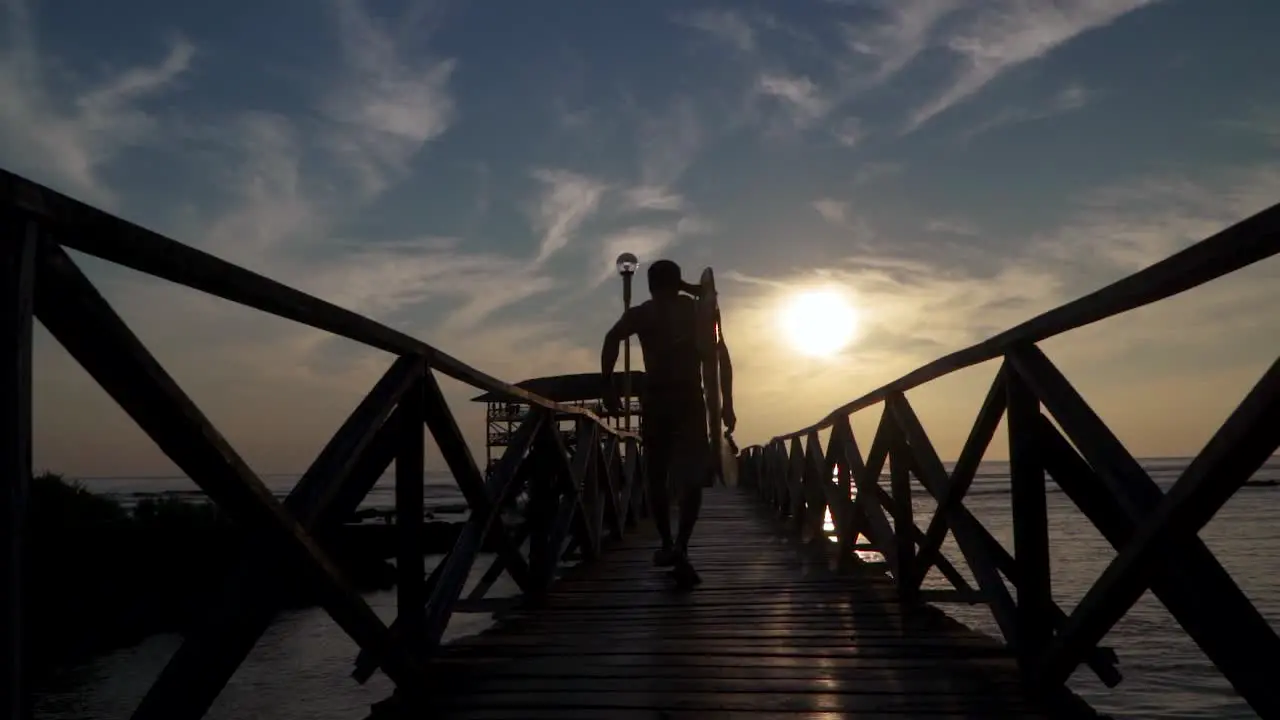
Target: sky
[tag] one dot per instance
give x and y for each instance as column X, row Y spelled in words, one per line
column 467, row 173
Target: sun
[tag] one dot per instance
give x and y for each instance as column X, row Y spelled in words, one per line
column 819, row 322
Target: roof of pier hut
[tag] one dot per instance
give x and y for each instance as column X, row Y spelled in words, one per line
column 566, row 388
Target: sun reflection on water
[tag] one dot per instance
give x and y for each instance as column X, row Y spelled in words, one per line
column 829, row 526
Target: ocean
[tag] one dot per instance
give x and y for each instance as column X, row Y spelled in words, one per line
column 300, row 668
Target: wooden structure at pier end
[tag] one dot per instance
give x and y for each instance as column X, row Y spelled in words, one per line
column 504, row 412
column 787, row 621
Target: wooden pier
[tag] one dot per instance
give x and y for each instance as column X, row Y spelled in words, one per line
column 780, row 626
column 790, row 620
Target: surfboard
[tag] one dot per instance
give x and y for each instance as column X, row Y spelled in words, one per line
column 707, row 313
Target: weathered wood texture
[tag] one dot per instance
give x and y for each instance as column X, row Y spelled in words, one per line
column 776, row 627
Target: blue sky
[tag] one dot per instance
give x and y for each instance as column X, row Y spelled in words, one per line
column 468, row 171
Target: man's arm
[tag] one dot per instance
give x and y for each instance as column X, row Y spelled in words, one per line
column 726, row 377
column 621, row 330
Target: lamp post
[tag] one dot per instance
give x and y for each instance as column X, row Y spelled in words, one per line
column 627, row 265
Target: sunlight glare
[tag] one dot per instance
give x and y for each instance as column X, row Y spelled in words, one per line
column 819, row 323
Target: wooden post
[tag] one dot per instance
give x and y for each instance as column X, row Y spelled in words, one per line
column 17, row 272
column 1030, row 523
column 795, row 483
column 541, row 510
column 814, row 484
column 588, row 482
column 411, row 589
column 634, row 482
column 904, row 523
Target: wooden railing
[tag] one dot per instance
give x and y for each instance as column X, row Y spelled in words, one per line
column 577, row 499
column 1155, row 533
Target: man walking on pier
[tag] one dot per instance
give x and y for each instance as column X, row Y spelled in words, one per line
column 676, row 446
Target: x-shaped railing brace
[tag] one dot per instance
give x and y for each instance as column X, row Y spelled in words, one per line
column 73, row 311
column 289, row 535
column 1156, row 533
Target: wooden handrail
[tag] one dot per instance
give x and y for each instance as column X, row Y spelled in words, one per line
column 89, row 230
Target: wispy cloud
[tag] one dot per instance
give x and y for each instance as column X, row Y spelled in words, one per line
column 952, row 226
column 837, row 214
column 901, row 32
column 381, row 111
column 64, row 134
column 382, row 108
column 801, row 99
column 1135, row 223
column 647, row 242
column 568, row 199
column 271, row 202
column 1263, row 122
column 668, row 141
column 379, row 281
column 1007, row 33
column 727, row 26
column 849, row 132
column 387, row 105
column 1073, row 97
column 877, row 170
column 833, row 211
column 880, row 40
column 648, row 197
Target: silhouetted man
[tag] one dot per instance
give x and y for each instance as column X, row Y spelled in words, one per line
column 676, row 446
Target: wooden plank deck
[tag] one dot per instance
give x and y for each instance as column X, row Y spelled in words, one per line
column 775, row 630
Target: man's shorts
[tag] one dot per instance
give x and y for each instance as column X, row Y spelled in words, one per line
column 675, row 434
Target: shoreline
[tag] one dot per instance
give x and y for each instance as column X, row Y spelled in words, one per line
column 105, row 576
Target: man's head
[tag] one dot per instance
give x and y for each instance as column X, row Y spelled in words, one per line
column 664, row 279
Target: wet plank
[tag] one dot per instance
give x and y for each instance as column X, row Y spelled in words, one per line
column 774, row 630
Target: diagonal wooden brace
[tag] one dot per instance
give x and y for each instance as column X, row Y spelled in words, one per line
column 969, row 533
column 962, row 475
column 457, row 455
column 1160, row 540
column 866, row 479
column 71, row 309
column 331, row 489
column 572, row 476
column 1117, row 495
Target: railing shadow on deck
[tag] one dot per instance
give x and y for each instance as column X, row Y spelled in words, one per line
column 578, row 497
column 1154, row 533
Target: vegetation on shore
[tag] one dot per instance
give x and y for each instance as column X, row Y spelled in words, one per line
column 102, row 576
